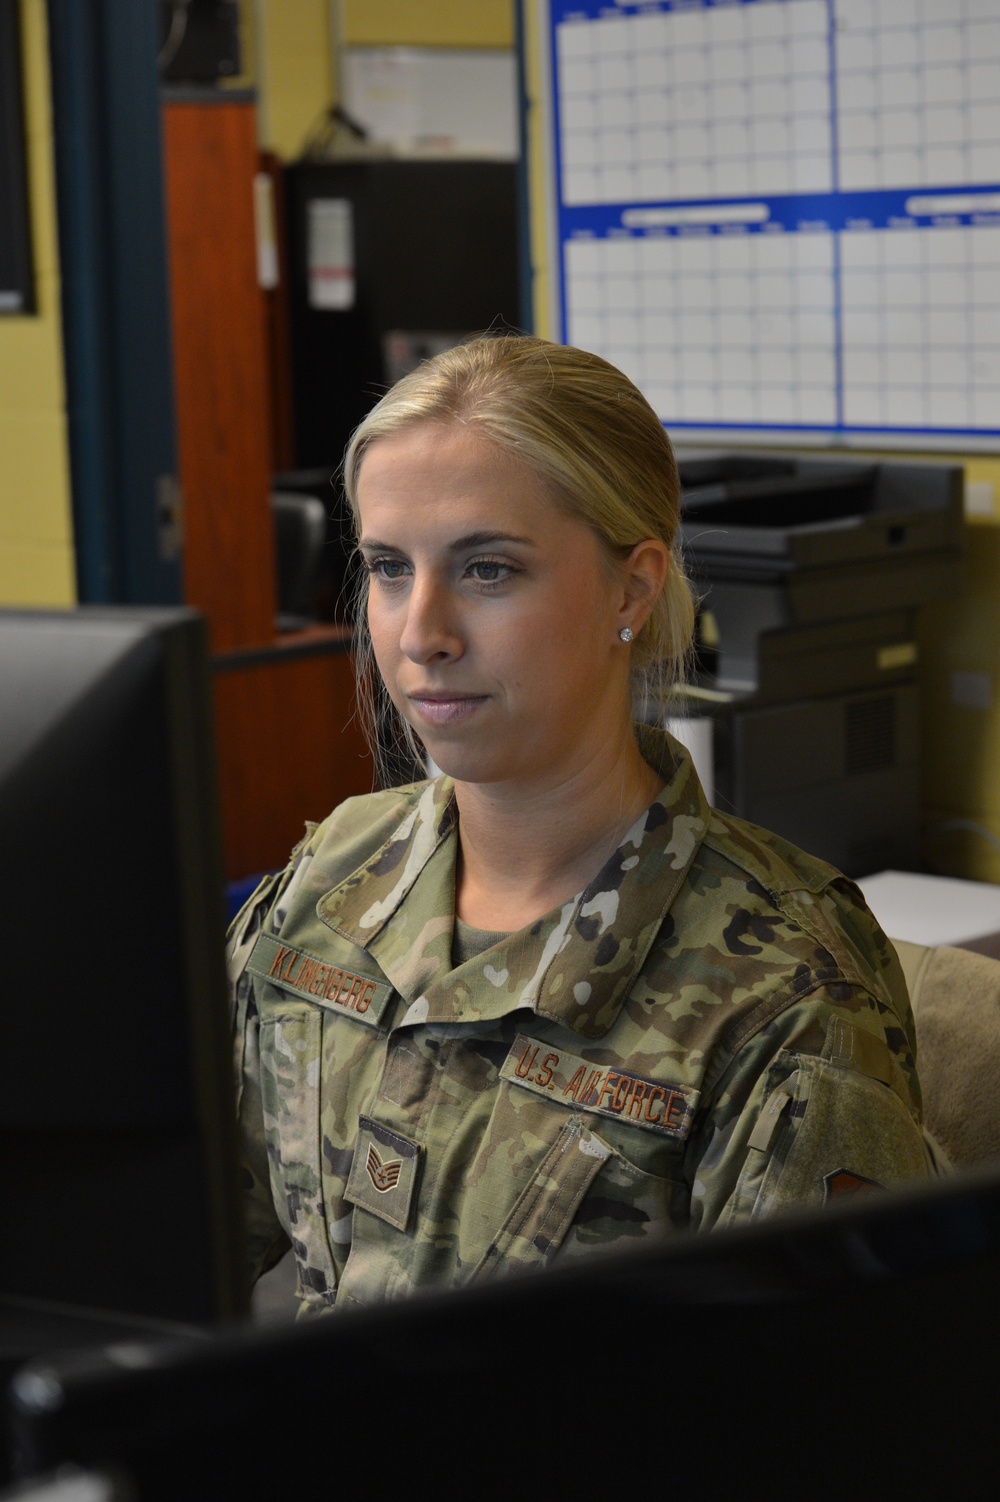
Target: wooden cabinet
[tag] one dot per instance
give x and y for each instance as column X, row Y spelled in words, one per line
column 289, row 747
column 288, row 744
column 220, row 369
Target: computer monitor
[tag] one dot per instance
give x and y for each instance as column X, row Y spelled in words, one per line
column 842, row 1353
column 118, row 1192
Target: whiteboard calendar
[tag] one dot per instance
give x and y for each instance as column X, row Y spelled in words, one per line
column 783, row 216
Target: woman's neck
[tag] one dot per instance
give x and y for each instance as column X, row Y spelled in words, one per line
column 525, row 851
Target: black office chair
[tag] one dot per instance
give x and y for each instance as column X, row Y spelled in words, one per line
column 300, row 539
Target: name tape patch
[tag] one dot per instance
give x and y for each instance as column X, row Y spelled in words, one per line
column 562, row 1076
column 294, row 970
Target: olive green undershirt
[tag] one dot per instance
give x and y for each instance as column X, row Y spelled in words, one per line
column 467, row 942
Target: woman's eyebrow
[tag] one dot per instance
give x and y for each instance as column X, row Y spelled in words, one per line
column 372, row 544
column 489, row 539
column 460, row 545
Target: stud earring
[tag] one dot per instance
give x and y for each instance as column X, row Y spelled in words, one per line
column 625, row 634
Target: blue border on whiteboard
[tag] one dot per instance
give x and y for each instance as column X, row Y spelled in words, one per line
column 878, row 209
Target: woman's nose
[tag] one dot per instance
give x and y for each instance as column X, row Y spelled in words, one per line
column 430, row 631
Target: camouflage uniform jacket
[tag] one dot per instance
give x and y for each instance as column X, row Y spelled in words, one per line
column 714, row 1029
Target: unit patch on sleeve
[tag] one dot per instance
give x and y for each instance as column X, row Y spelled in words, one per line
column 383, row 1175
column 842, row 1182
column 562, row 1077
column 363, row 996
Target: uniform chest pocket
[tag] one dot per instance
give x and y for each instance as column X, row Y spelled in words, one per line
column 644, row 1121
column 291, row 1067
column 601, row 1147
column 536, row 1225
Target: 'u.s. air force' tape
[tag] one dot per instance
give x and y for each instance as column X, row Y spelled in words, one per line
column 561, row 1076
column 363, row 996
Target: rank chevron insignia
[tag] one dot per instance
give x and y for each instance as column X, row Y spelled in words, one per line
column 384, row 1176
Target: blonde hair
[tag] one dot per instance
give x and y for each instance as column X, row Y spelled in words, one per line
column 584, row 428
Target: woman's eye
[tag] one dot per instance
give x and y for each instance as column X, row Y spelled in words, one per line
column 489, row 571
column 389, row 569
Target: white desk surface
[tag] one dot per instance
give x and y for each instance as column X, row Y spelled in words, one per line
column 932, row 909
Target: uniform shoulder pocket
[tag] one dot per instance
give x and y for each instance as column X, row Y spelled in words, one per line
column 825, row 1130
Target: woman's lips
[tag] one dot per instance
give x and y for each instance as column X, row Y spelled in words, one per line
column 446, row 709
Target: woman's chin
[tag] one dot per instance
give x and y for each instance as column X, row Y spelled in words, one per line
column 466, row 763
column 456, row 765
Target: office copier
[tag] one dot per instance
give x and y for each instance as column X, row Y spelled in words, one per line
column 811, row 572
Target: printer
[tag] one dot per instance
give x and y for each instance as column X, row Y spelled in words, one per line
column 811, row 572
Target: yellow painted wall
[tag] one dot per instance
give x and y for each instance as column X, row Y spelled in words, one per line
column 295, row 66
column 36, row 530
column 428, row 23
column 295, row 72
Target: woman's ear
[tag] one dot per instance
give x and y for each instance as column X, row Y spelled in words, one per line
column 644, row 573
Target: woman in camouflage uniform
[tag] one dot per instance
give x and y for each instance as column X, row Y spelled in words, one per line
column 549, row 1001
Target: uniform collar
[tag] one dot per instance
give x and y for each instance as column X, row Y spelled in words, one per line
column 575, row 965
